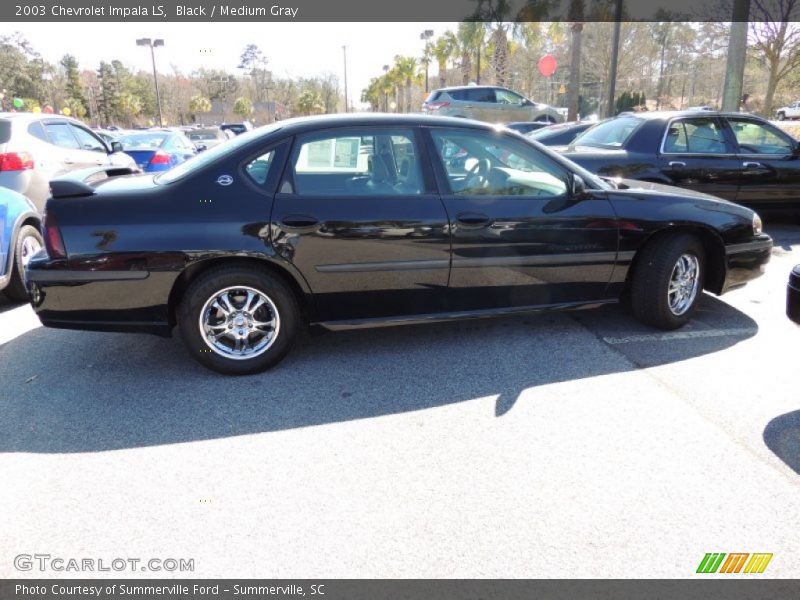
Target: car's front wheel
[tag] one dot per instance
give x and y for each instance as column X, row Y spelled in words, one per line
column 668, row 281
column 238, row 320
column 29, row 242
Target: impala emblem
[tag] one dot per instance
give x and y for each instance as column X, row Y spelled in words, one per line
column 224, row 180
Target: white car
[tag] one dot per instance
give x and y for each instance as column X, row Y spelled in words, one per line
column 789, row 112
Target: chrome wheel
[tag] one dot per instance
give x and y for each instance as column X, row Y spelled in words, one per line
column 683, row 284
column 30, row 246
column 239, row 322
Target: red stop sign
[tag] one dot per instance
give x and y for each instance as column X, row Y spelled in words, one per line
column 547, row 65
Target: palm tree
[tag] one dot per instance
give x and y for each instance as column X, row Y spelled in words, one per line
column 443, row 50
column 372, row 94
column 470, row 38
column 407, row 74
column 495, row 13
column 199, row 104
column 310, row 102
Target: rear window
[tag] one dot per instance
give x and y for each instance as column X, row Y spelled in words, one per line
column 611, row 134
column 143, row 141
column 433, row 96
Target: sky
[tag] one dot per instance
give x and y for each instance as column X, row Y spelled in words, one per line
column 293, row 49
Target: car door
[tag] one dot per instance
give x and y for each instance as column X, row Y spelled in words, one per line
column 92, row 151
column 519, row 238
column 65, row 146
column 696, row 154
column 484, row 107
column 359, row 216
column 512, row 106
column 769, row 164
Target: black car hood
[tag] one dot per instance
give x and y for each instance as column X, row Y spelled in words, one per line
column 644, row 188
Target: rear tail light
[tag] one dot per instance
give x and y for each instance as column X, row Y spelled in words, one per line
column 160, row 158
column 15, row 161
column 52, row 237
column 437, row 105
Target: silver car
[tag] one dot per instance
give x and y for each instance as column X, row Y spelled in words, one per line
column 35, row 148
column 487, row 103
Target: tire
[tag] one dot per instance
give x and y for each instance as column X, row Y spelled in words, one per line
column 28, row 242
column 656, row 266
column 781, row 116
column 228, row 355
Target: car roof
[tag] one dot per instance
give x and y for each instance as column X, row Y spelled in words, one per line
column 29, row 116
column 384, row 119
column 471, row 87
column 671, row 114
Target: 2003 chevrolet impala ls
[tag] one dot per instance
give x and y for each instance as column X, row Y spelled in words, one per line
column 353, row 220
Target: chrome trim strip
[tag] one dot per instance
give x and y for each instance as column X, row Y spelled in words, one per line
column 56, row 276
column 748, row 247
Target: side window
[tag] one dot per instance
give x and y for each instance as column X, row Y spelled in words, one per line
column 61, row 136
column 757, row 138
column 480, row 95
column 676, row 138
column 506, row 97
column 695, row 136
column 480, row 164
column 363, row 162
column 87, row 140
column 258, row 168
column 37, row 131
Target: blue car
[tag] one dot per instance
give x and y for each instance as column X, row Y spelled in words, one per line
column 157, row 150
column 19, row 241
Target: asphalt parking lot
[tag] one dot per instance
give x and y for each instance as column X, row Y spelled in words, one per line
column 561, row 445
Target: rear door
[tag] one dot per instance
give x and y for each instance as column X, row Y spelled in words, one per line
column 359, row 216
column 768, row 162
column 696, row 154
column 66, row 149
column 483, row 104
column 92, row 151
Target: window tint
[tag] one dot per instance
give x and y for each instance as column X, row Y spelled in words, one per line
column 479, row 95
column 60, row 135
column 695, row 136
column 37, row 131
column 612, row 134
column 757, row 138
column 142, row 141
column 360, row 162
column 506, row 97
column 258, row 169
column 482, row 164
column 87, row 140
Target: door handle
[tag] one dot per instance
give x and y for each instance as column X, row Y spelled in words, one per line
column 471, row 219
column 298, row 221
column 677, row 163
column 751, row 165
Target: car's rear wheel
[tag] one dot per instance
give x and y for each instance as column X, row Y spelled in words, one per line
column 238, row 320
column 29, row 242
column 668, row 281
column 781, row 116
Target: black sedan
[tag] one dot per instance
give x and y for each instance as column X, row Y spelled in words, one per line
column 793, row 296
column 352, row 221
column 560, row 134
column 735, row 156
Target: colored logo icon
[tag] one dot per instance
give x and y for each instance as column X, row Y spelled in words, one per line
column 736, row 562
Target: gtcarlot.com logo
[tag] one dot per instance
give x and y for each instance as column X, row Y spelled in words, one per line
column 47, row 562
column 735, row 562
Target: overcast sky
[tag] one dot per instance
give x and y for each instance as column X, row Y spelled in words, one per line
column 293, row 49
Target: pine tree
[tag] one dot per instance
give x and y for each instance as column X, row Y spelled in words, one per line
column 76, row 99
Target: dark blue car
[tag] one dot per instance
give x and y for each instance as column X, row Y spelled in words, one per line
column 19, row 241
column 158, row 150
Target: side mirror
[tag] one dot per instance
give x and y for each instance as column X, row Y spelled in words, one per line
column 116, row 147
column 796, row 149
column 577, row 186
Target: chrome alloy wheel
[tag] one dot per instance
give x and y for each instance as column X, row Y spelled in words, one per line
column 239, row 323
column 683, row 284
column 30, row 246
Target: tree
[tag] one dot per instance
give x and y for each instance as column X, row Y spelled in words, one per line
column 573, row 98
column 76, row 99
column 776, row 43
column 253, row 62
column 199, row 104
column 243, row 107
column 470, row 38
column 309, row 103
column 443, row 50
column 495, row 13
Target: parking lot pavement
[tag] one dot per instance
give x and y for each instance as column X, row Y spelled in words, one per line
column 563, row 445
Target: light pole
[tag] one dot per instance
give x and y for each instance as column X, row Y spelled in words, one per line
column 346, row 101
column 425, row 36
column 154, row 44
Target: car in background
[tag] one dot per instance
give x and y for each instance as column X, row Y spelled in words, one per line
column 560, row 134
column 359, row 220
column 157, row 150
column 19, row 241
column 107, row 135
column 525, row 127
column 790, row 111
column 793, row 295
column 237, row 128
column 490, row 104
column 735, row 156
column 35, row 148
column 206, row 137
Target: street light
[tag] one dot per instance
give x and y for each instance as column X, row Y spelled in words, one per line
column 425, row 36
column 154, row 44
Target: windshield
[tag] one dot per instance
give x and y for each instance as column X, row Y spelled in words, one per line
column 611, row 134
column 198, row 161
column 203, row 135
column 544, row 132
column 142, row 141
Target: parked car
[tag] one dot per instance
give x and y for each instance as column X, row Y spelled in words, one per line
column 19, row 241
column 158, row 150
column 237, row 128
column 206, row 137
column 560, row 134
column 355, row 220
column 793, row 295
column 525, row 127
column 35, row 148
column 487, row 103
column 735, row 156
column 792, row 111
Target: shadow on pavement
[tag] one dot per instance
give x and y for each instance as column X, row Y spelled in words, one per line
column 782, row 436
column 6, row 304
column 72, row 391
